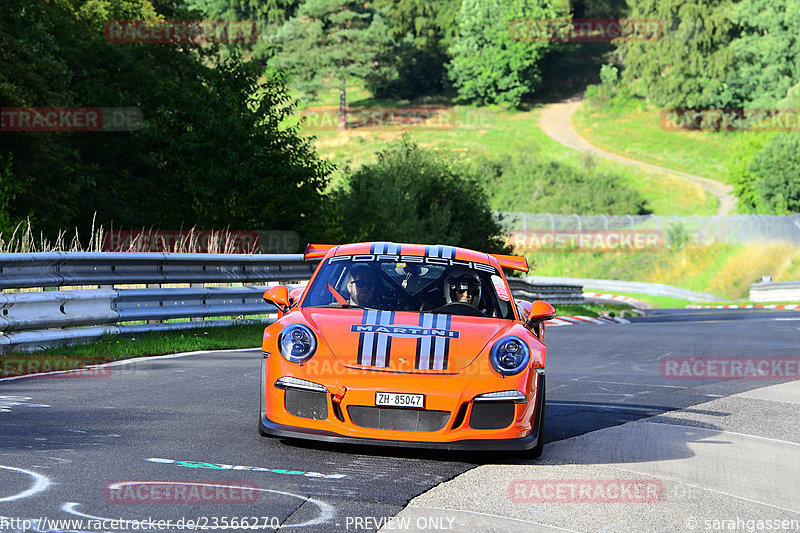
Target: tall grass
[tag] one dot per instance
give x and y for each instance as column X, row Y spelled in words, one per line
column 25, row 239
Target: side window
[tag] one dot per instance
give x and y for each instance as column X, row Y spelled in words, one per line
column 501, row 297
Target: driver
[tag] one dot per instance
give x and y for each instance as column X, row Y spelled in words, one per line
column 463, row 286
column 361, row 285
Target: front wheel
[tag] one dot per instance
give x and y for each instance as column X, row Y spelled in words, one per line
column 261, row 429
column 536, row 451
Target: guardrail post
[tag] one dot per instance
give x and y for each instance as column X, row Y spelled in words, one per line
column 154, row 286
column 197, row 318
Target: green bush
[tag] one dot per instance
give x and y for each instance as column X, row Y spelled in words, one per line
column 776, row 173
column 416, row 195
column 678, row 237
column 530, row 183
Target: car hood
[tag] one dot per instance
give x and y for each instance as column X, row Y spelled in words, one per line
column 408, row 341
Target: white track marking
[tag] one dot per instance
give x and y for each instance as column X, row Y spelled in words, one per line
column 40, row 483
column 326, row 511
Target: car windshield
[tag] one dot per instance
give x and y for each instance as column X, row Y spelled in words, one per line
column 463, row 288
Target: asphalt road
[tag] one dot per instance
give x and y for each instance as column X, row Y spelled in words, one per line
column 190, row 420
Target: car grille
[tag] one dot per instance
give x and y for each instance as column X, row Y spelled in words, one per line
column 398, row 419
column 492, row 415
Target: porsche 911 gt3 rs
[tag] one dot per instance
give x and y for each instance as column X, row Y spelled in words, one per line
column 406, row 345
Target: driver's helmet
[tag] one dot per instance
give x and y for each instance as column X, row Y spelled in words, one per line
column 462, row 285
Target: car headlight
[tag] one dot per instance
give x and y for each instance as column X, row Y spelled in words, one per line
column 510, row 355
column 297, row 343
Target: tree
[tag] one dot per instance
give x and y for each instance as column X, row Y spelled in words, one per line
column 691, row 66
column 767, row 51
column 415, row 195
column 331, row 39
column 268, row 15
column 213, row 152
column 489, row 65
column 420, row 30
column 604, row 9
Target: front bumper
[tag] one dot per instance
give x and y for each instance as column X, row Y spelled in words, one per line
column 271, row 428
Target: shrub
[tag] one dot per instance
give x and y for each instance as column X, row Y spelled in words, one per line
column 776, row 173
column 531, row 183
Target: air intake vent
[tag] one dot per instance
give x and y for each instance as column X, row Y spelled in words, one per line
column 492, row 415
column 307, row 404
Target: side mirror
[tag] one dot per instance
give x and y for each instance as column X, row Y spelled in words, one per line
column 540, row 311
column 278, row 295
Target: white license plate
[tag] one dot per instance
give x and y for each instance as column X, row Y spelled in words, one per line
column 397, row 399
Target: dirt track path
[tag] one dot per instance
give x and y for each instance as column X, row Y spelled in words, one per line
column 556, row 121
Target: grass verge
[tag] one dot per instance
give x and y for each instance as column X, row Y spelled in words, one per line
column 592, row 310
column 658, row 302
column 637, row 133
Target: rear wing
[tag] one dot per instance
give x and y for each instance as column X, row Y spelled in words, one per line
column 513, row 262
column 317, row 251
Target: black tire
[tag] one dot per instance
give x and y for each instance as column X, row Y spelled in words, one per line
column 261, row 429
column 536, row 451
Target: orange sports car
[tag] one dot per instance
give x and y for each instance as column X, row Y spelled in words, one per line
column 406, row 345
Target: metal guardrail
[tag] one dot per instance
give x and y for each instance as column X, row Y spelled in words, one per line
column 636, row 287
column 53, row 309
column 33, row 320
column 87, row 314
column 780, row 291
column 552, row 293
column 58, row 269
